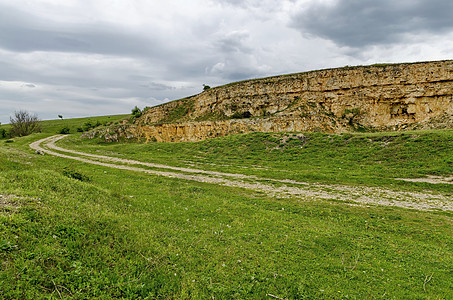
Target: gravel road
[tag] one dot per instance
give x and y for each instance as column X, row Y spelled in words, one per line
column 352, row 195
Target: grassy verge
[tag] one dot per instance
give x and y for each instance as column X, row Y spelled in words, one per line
column 118, row 234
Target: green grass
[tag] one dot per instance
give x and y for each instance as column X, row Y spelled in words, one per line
column 360, row 158
column 55, row 126
column 179, row 112
column 121, row 234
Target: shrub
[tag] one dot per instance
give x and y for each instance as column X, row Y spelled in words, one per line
column 64, row 130
column 3, row 133
column 23, row 123
column 88, row 125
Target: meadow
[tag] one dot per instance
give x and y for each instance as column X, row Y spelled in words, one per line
column 78, row 231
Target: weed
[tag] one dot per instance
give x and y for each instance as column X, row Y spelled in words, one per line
column 353, row 111
column 212, row 116
column 71, row 173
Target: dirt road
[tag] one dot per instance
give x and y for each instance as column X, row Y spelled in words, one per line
column 360, row 195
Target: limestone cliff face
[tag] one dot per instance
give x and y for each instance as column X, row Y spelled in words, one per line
column 335, row 100
column 197, row 131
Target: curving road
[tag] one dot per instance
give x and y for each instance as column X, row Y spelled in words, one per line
column 359, row 194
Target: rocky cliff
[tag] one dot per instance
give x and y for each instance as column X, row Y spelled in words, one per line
column 336, row 100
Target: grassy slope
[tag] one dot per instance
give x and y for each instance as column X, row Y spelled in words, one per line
column 124, row 234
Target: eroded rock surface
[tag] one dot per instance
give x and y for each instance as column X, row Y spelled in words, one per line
column 335, row 100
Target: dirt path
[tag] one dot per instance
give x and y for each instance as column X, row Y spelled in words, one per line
column 361, row 195
column 430, row 179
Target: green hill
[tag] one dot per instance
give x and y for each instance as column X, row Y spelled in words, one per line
column 73, row 230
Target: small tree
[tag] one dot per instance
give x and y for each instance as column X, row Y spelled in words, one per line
column 206, row 87
column 136, row 112
column 23, row 123
column 60, row 116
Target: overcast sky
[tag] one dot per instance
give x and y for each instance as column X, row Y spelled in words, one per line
column 97, row 57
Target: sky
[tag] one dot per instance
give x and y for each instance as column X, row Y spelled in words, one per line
column 80, row 58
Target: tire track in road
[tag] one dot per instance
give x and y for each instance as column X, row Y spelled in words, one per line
column 358, row 194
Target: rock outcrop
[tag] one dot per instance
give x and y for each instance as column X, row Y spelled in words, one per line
column 373, row 97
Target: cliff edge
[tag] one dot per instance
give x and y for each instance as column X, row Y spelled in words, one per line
column 376, row 97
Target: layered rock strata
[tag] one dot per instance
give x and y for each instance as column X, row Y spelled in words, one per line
column 334, row 100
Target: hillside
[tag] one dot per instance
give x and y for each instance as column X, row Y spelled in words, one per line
column 376, row 97
column 193, row 221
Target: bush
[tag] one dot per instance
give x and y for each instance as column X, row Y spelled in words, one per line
column 3, row 133
column 23, row 123
column 88, row 126
column 64, row 130
column 136, row 112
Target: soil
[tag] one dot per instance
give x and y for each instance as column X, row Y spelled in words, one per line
column 361, row 195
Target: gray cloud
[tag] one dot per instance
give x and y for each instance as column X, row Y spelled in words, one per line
column 29, row 85
column 358, row 23
column 23, row 32
column 234, row 42
column 155, row 86
column 240, row 3
column 80, row 58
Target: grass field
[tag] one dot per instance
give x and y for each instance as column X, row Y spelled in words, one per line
column 123, row 234
column 359, row 158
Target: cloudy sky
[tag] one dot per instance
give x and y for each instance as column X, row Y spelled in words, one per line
column 96, row 57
